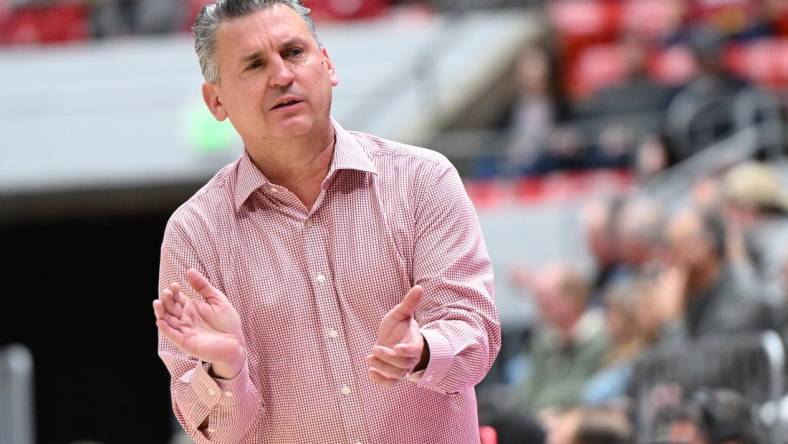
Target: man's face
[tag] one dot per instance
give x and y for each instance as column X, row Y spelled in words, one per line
column 689, row 248
column 275, row 82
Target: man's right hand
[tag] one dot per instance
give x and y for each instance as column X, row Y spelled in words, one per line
column 207, row 328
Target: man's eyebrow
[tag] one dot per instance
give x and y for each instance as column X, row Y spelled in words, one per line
column 251, row 56
column 293, row 42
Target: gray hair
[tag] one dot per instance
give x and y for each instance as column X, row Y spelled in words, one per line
column 212, row 16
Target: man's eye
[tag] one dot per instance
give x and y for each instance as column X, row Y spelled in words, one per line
column 254, row 65
column 295, row 52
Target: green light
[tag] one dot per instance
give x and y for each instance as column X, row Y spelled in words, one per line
column 206, row 134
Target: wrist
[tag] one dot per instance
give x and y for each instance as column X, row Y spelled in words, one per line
column 425, row 356
column 230, row 369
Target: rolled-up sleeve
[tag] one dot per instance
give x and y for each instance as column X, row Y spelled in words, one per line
column 210, row 410
column 458, row 317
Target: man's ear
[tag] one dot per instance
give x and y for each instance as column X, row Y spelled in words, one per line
column 332, row 73
column 210, row 93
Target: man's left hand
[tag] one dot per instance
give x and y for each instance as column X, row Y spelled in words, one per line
column 400, row 347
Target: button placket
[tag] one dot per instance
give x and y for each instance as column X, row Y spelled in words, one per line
column 329, row 312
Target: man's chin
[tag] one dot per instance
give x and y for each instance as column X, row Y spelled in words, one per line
column 297, row 126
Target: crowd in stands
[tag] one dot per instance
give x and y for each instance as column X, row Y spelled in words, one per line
column 664, row 277
column 36, row 22
column 642, row 86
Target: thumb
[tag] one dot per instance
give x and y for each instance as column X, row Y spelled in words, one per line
column 201, row 285
column 407, row 307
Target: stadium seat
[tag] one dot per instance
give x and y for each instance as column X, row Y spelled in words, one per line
column 758, row 61
column 323, row 10
column 597, row 67
column 672, row 66
column 45, row 24
column 651, row 19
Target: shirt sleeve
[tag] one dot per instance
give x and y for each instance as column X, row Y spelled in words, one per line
column 458, row 317
column 210, row 410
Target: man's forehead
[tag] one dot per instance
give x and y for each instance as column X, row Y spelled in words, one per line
column 270, row 25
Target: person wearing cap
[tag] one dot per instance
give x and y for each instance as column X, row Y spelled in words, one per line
column 756, row 203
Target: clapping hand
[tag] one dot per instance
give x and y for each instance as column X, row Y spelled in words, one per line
column 207, row 328
column 400, row 347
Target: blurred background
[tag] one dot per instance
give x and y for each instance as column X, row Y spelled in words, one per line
column 627, row 159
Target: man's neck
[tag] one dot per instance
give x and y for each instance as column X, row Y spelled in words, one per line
column 298, row 164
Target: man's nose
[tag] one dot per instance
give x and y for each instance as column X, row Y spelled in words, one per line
column 282, row 74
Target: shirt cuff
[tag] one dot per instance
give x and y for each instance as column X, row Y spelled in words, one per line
column 211, row 391
column 441, row 357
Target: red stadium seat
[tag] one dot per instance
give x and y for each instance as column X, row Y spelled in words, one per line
column 346, row 9
column 597, row 67
column 45, row 24
column 587, row 19
column 672, row 66
column 651, row 19
column 758, row 62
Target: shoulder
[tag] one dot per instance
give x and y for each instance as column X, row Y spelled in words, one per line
column 385, row 151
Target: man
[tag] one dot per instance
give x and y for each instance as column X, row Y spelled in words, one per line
column 756, row 203
column 570, row 347
column 339, row 286
column 699, row 294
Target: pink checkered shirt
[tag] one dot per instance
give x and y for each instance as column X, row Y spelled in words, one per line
column 312, row 286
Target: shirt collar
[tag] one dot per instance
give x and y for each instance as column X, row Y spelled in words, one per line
column 348, row 155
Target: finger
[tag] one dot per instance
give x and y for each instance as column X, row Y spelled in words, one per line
column 158, row 309
column 390, row 356
column 170, row 332
column 380, row 378
column 201, row 285
column 410, row 350
column 407, row 307
column 177, row 294
column 168, row 299
column 390, row 371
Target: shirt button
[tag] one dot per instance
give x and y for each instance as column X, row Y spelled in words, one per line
column 228, row 394
column 210, row 431
column 321, row 278
column 308, row 223
column 358, row 442
column 345, row 390
column 211, row 392
column 333, row 334
column 273, row 190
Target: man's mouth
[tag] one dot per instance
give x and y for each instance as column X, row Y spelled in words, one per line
column 286, row 104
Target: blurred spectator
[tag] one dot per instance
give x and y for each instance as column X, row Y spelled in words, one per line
column 640, row 234
column 534, row 111
column 757, row 207
column 123, row 17
column 699, row 294
column 614, row 146
column 706, row 194
column 570, row 346
column 737, row 19
column 636, row 93
column 591, row 425
column 627, row 336
column 652, row 157
column 600, row 219
column 701, row 112
column 718, row 416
